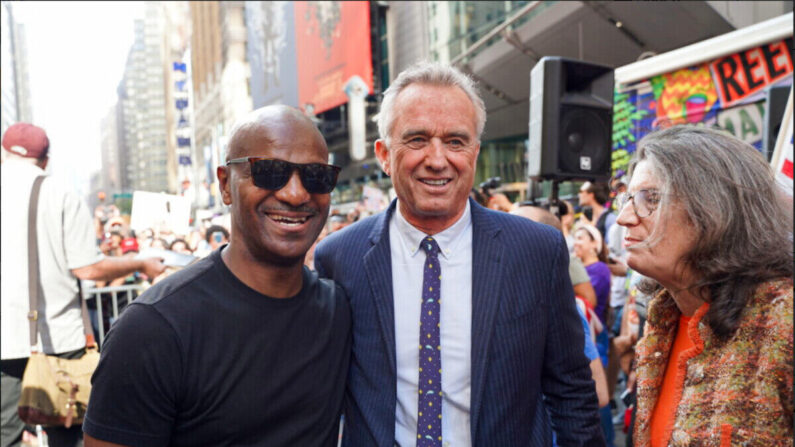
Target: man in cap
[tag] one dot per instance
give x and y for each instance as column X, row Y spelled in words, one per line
column 246, row 346
column 67, row 251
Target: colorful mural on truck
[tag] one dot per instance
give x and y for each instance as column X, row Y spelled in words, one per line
column 728, row 92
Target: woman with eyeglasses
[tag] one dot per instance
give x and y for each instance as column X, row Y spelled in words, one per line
column 707, row 223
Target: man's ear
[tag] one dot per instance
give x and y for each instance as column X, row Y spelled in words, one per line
column 223, row 184
column 382, row 153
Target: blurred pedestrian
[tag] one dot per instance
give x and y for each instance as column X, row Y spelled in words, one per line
column 500, row 202
column 567, row 221
column 159, row 244
column 595, row 195
column 500, row 341
column 707, row 223
column 67, row 252
column 337, row 222
column 217, row 236
column 180, row 245
column 245, row 346
column 103, row 213
column 590, row 248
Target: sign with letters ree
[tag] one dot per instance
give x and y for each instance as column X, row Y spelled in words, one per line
column 740, row 75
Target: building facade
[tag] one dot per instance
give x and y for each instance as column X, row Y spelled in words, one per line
column 15, row 84
column 145, row 152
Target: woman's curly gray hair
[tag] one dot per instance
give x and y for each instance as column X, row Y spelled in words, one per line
column 742, row 218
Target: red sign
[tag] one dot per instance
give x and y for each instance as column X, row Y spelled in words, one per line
column 333, row 44
column 743, row 74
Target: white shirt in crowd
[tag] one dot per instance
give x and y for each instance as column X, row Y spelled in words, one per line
column 66, row 241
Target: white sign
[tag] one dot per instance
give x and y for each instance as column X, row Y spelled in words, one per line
column 782, row 160
column 160, row 211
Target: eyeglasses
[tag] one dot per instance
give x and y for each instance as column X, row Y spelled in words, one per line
column 646, row 202
column 272, row 174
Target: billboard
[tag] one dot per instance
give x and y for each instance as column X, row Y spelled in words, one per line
column 727, row 92
column 271, row 52
column 333, row 45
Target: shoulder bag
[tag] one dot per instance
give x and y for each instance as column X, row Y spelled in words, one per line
column 55, row 390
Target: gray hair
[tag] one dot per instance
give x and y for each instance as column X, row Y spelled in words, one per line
column 743, row 221
column 433, row 73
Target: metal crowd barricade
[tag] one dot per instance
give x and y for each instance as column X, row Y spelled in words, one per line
column 120, row 296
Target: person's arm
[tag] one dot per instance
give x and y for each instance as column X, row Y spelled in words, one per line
column 582, row 282
column 597, row 371
column 88, row 441
column 110, row 268
column 585, row 291
column 598, row 374
column 81, row 251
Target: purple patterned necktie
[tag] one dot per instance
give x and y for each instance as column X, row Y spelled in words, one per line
column 429, row 407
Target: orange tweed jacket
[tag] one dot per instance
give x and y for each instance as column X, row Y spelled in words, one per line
column 737, row 392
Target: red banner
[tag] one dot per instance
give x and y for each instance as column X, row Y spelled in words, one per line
column 333, row 44
column 743, row 74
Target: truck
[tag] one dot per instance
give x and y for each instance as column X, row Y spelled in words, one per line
column 722, row 82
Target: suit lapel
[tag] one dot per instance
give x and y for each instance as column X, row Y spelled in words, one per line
column 378, row 266
column 487, row 252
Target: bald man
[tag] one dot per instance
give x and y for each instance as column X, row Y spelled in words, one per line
column 579, row 276
column 582, row 288
column 247, row 346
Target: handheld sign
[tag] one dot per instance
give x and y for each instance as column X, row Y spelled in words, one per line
column 159, row 212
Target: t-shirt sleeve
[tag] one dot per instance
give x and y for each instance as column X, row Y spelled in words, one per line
column 80, row 241
column 601, row 278
column 136, row 387
column 577, row 271
column 590, row 348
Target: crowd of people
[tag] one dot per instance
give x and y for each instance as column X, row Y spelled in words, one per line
column 441, row 320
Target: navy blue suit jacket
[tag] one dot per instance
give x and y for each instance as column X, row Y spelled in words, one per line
column 527, row 337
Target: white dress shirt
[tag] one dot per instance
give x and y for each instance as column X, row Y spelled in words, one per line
column 408, row 262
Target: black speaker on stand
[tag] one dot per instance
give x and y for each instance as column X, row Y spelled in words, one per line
column 571, row 120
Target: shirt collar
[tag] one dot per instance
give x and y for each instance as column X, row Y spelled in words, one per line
column 448, row 240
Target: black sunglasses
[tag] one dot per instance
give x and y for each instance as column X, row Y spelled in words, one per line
column 269, row 173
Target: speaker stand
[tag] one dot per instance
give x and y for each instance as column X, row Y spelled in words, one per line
column 553, row 199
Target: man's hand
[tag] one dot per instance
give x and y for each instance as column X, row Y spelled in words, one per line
column 152, row 267
column 617, row 267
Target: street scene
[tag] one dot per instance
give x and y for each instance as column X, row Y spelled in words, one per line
column 439, row 223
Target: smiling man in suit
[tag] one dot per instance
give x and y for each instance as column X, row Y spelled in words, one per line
column 465, row 330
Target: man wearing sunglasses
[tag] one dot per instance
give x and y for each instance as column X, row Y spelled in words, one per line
column 464, row 317
column 246, row 346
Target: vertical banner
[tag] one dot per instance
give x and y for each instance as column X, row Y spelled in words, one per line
column 327, row 59
column 356, row 90
column 271, row 52
column 782, row 156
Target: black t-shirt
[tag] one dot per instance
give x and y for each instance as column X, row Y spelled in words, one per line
column 201, row 359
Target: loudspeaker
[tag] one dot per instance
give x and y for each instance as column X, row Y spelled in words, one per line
column 571, row 120
column 775, row 103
